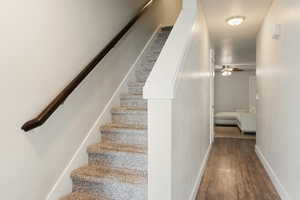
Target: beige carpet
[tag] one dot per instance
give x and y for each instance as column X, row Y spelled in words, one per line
column 231, row 132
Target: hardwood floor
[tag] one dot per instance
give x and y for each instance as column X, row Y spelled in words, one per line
column 235, row 173
column 232, row 132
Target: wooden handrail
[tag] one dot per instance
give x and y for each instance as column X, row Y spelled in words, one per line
column 63, row 95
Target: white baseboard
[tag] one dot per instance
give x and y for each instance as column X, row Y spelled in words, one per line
column 200, row 174
column 63, row 185
column 275, row 180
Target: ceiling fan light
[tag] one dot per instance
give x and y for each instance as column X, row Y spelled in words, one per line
column 235, row 21
column 226, row 73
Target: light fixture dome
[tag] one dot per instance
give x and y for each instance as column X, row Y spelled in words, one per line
column 236, row 20
column 226, row 73
column 227, row 70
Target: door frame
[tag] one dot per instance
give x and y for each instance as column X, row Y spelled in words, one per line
column 212, row 95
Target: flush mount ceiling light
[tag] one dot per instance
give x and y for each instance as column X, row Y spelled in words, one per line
column 235, row 21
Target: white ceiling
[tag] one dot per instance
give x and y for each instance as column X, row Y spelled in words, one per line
column 235, row 45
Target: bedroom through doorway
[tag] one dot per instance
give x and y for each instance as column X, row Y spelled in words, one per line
column 235, row 101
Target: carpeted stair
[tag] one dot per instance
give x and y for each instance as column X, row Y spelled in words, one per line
column 117, row 168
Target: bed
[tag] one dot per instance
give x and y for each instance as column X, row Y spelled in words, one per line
column 246, row 121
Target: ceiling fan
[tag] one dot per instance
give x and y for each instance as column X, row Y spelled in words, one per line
column 227, row 70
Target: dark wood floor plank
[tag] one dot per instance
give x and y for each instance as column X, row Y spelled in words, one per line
column 234, row 173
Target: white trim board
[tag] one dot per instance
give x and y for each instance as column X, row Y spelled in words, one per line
column 63, row 184
column 200, row 174
column 275, row 180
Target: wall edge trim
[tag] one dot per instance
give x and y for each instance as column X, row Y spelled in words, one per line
column 200, row 174
column 274, row 178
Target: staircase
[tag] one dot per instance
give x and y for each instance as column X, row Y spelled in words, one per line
column 117, row 168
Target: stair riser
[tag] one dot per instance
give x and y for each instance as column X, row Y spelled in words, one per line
column 141, row 79
column 159, row 42
column 153, row 55
column 141, row 103
column 124, row 131
column 129, row 138
column 163, row 35
column 151, row 59
column 161, row 39
column 112, row 190
column 155, row 48
column 142, row 76
column 148, row 64
column 134, row 161
column 130, row 118
column 135, row 90
column 144, row 71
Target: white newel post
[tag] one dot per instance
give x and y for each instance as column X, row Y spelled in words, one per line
column 159, row 149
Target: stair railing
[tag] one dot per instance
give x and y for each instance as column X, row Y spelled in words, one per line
column 65, row 93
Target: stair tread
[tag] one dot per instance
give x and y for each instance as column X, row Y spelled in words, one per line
column 116, row 147
column 82, row 196
column 136, row 83
column 96, row 173
column 167, row 28
column 125, row 109
column 111, row 126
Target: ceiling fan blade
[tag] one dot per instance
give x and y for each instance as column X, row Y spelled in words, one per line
column 223, row 68
column 238, row 70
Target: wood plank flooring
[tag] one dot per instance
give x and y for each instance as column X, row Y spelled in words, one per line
column 232, row 132
column 235, row 173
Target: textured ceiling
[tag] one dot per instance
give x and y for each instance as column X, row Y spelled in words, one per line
column 235, row 45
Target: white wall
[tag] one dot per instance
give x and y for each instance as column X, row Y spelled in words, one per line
column 278, row 87
column 44, row 44
column 232, row 92
column 171, row 9
column 178, row 96
column 191, row 114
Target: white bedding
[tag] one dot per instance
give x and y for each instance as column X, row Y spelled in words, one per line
column 245, row 120
column 226, row 115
